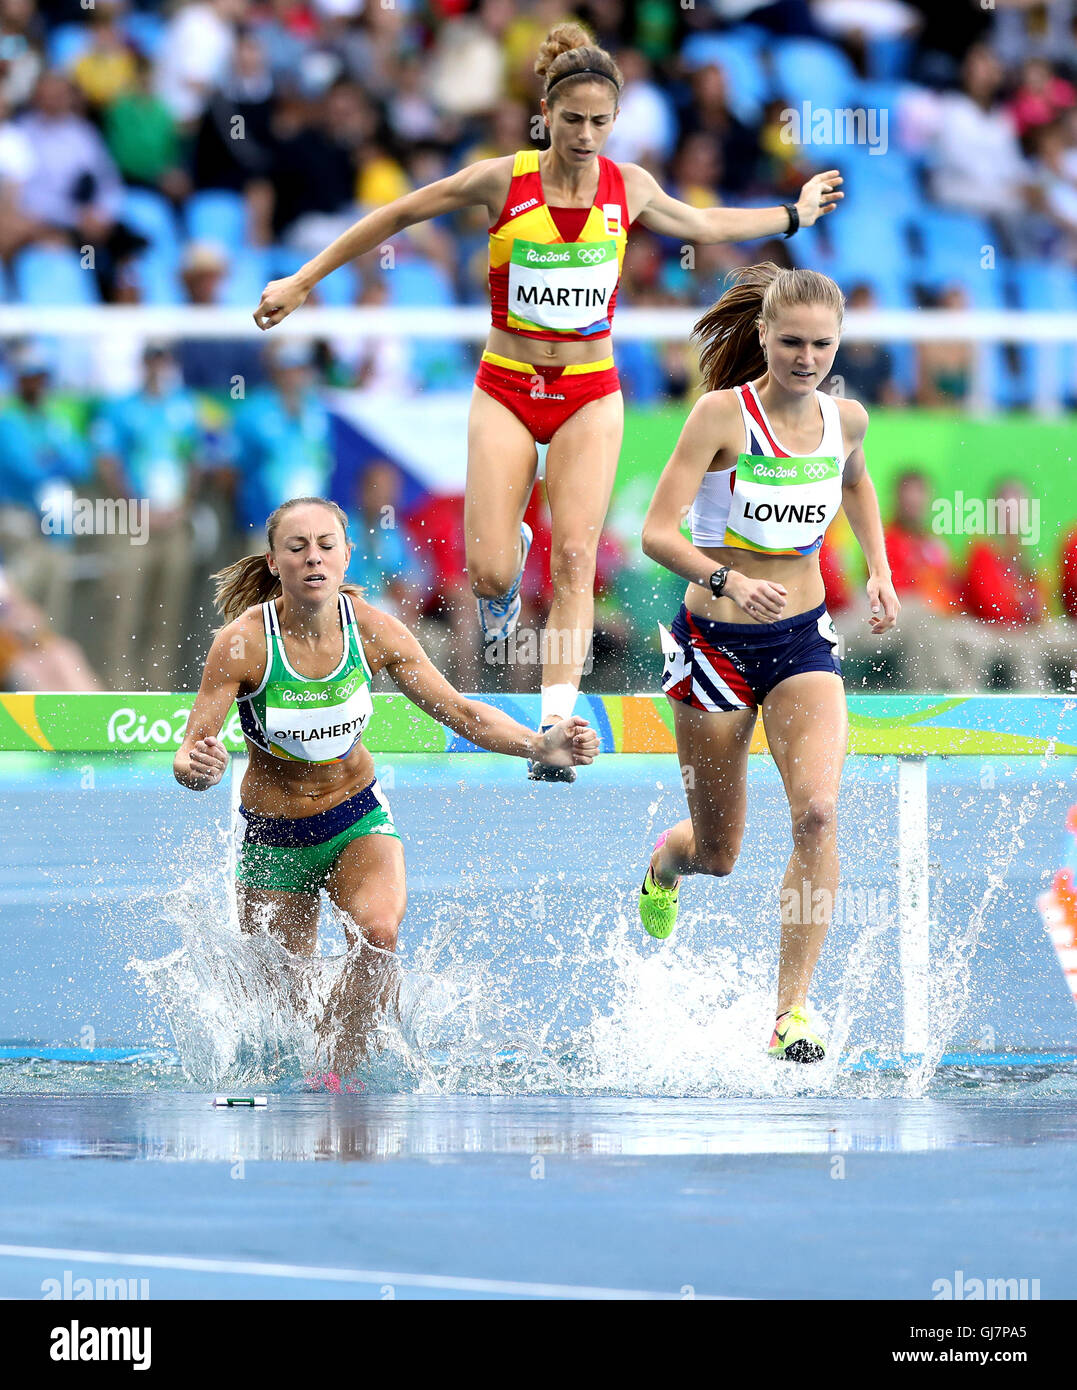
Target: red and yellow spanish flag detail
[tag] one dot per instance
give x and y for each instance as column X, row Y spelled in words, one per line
column 543, row 285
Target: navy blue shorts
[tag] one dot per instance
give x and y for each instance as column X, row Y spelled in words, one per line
column 727, row 666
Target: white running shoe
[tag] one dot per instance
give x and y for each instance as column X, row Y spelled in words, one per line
column 498, row 616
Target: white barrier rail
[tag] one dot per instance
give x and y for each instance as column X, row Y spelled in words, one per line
column 985, row 329
column 473, row 323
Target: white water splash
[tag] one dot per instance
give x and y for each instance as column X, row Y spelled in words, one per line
column 502, row 996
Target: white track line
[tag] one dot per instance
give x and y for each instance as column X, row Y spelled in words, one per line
column 258, row 1269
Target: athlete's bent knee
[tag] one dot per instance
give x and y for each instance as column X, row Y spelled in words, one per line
column 815, row 818
column 491, row 575
column 382, row 931
column 488, row 583
column 716, row 860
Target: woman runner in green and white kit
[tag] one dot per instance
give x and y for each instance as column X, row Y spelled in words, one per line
column 298, row 653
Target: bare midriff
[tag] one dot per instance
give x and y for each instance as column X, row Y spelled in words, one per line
column 544, row 352
column 279, row 787
column 798, row 574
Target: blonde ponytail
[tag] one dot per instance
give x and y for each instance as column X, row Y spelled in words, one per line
column 241, row 585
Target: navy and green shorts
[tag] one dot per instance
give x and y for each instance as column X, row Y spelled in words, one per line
column 727, row 666
column 295, row 854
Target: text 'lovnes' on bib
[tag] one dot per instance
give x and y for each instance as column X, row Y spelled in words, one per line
column 301, row 718
column 543, row 285
column 783, row 505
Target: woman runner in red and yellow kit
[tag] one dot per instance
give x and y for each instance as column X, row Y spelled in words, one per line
column 559, row 224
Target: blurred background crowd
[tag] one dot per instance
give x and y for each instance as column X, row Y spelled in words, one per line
column 199, row 149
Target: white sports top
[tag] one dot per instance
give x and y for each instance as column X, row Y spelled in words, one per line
column 771, row 501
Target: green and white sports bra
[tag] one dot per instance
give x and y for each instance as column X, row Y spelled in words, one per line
column 302, row 719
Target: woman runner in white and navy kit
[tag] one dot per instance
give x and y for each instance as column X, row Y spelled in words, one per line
column 763, row 464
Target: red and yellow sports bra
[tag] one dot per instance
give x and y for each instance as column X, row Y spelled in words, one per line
column 554, row 272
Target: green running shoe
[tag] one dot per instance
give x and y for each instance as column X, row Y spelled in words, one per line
column 795, row 1042
column 657, row 904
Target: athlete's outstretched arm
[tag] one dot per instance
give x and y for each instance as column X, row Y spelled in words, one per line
column 861, row 504
column 668, row 216
column 389, row 644
column 714, row 416
column 466, row 188
column 201, row 758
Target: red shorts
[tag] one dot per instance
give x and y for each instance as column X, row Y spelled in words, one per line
column 544, row 397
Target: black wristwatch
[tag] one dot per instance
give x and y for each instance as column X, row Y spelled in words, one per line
column 718, row 579
column 794, row 219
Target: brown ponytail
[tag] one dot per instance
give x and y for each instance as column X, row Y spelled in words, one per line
column 248, row 581
column 569, row 50
column 730, row 352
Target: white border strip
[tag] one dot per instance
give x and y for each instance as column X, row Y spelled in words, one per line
column 237, row 767
column 258, row 1269
column 913, row 903
column 472, row 322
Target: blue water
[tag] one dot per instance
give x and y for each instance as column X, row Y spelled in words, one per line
column 457, row 1197
column 526, row 895
column 570, row 1108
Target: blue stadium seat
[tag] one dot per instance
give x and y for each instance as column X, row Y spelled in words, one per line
column 439, row 365
column 53, row 275
column 952, row 242
column 418, row 282
column 66, row 43
column 889, row 282
column 217, row 215
column 869, row 177
column 338, row 290
column 815, row 71
column 151, row 214
column 986, row 289
column 248, row 272
column 157, row 276
column 740, row 54
column 889, row 285
column 884, row 95
column 867, row 242
column 145, row 30
column 890, row 56
column 1046, row 287
column 286, row 260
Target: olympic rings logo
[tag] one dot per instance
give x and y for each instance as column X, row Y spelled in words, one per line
column 815, row 469
column 592, row 256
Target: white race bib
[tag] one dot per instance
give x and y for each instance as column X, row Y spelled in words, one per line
column 563, row 286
